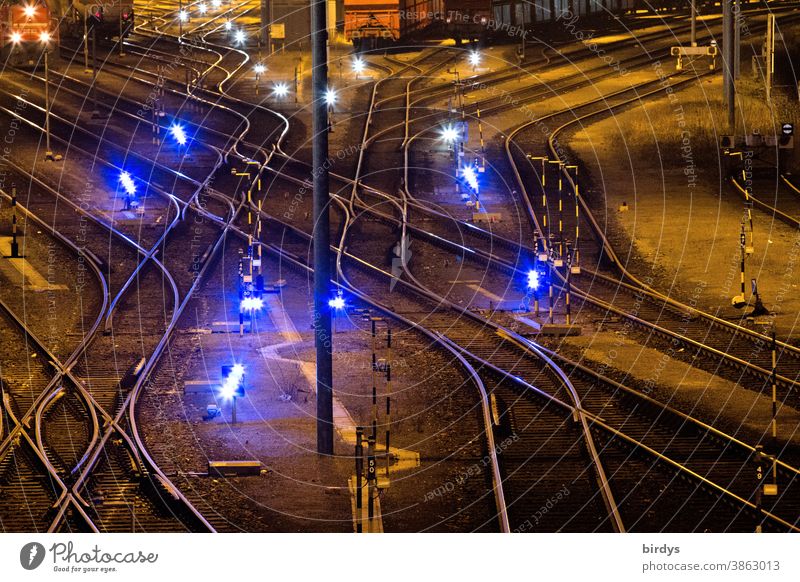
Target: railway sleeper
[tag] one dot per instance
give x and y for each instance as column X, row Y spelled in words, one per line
column 664, row 467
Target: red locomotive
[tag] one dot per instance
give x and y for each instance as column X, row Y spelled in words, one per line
column 26, row 28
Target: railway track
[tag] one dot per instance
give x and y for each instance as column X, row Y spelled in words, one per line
column 491, row 448
column 728, row 347
column 732, row 349
column 778, row 198
column 28, row 488
column 69, row 460
column 35, row 390
column 667, row 318
column 380, row 146
column 674, row 465
column 106, row 479
column 751, row 519
column 366, row 286
column 733, row 523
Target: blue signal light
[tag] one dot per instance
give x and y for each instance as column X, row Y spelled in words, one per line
column 178, row 133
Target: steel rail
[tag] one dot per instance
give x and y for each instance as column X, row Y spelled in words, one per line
column 114, row 425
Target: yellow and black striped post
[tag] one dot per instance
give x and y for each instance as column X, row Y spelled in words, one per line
column 14, row 242
column 748, row 203
column 241, row 293
column 374, row 322
column 544, row 169
column 550, row 294
column 480, row 134
column 566, row 297
column 258, row 238
column 559, row 164
column 774, row 379
column 371, row 478
column 388, row 420
column 759, row 458
column 577, row 214
column 359, row 477
column 543, row 181
column 388, row 392
column 560, row 213
column 250, row 253
column 742, row 244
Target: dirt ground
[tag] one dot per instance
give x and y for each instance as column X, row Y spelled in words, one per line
column 435, row 414
column 722, row 403
column 685, row 229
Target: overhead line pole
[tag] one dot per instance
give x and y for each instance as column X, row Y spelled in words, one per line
column 86, row 40
column 728, row 86
column 770, row 57
column 737, row 37
column 323, row 336
column 95, row 111
column 266, row 22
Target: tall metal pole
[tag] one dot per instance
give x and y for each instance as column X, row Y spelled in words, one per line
column 694, row 23
column 774, row 382
column 95, row 111
column 567, row 296
column 759, row 454
column 729, row 89
column 725, row 42
column 86, row 40
column 371, row 476
column 737, row 37
column 266, row 21
column 743, row 245
column 322, row 250
column 576, row 253
column 770, row 56
column 359, row 476
column 560, row 214
column 48, row 152
column 14, row 242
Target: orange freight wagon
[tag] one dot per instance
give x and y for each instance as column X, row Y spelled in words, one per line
column 364, row 19
column 388, row 20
